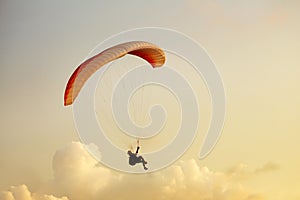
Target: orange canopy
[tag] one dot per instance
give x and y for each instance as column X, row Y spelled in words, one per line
column 150, row 52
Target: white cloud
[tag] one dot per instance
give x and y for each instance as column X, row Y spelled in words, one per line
column 22, row 193
column 78, row 177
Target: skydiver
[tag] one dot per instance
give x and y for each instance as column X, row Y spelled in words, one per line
column 134, row 158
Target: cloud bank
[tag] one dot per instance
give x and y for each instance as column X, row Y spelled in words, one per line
column 22, row 193
column 77, row 176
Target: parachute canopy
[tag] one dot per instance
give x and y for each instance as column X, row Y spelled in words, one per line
column 149, row 52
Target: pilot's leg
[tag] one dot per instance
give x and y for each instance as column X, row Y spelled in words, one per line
column 142, row 160
column 144, row 165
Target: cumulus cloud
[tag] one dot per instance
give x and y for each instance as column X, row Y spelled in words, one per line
column 77, row 176
column 22, row 193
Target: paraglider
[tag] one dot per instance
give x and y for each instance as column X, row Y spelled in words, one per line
column 145, row 50
column 134, row 158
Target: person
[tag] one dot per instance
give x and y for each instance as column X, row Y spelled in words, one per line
column 134, row 158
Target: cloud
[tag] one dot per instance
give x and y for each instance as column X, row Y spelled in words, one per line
column 77, row 176
column 242, row 171
column 22, row 193
column 270, row 166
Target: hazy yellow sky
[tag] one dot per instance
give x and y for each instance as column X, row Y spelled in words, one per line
column 254, row 44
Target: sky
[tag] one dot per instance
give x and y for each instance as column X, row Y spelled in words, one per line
column 255, row 47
